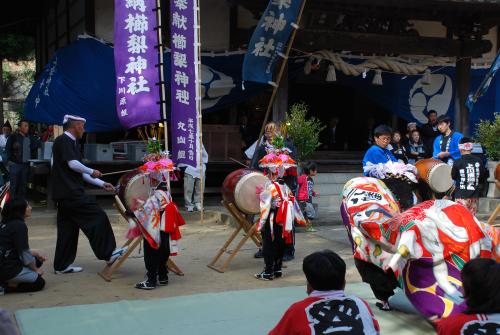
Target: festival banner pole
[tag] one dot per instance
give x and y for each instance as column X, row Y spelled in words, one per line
column 278, row 79
column 163, row 102
column 197, row 30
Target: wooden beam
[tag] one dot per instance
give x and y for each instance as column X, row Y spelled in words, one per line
column 462, row 80
column 310, row 41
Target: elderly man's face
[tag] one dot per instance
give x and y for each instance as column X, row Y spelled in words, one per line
column 79, row 127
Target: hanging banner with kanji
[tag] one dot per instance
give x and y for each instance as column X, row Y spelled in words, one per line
column 136, row 59
column 184, row 76
column 269, row 40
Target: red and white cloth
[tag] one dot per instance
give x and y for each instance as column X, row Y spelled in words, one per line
column 327, row 312
column 469, row 324
column 278, row 196
column 158, row 213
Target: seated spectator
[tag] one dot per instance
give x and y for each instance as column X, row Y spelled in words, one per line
column 327, row 310
column 480, row 280
column 415, row 149
column 398, row 149
column 7, row 326
column 19, row 266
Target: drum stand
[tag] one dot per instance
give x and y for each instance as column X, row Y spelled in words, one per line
column 132, row 243
column 249, row 229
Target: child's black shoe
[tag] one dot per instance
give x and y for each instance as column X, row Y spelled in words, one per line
column 146, row 285
column 163, row 280
column 264, row 276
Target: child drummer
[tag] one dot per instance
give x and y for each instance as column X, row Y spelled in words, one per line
column 278, row 210
column 158, row 220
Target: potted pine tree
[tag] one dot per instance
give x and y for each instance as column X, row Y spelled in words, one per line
column 303, row 130
column 488, row 134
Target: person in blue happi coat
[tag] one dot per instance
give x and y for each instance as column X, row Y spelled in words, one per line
column 379, row 152
column 446, row 144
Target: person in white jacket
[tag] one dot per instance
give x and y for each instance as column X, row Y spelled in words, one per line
column 192, row 183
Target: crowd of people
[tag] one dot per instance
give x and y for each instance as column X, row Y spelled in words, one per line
column 440, row 142
column 285, row 200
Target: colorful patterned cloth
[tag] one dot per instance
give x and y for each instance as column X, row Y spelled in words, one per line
column 158, row 213
column 426, row 246
column 278, row 196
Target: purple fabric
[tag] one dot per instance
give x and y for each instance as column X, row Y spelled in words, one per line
column 183, row 82
column 347, row 225
column 418, row 275
column 137, row 93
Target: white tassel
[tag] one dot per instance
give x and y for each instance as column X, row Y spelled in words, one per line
column 426, row 78
column 307, row 66
column 377, row 78
column 331, row 75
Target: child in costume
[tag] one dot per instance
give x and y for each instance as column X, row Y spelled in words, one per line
column 158, row 221
column 278, row 210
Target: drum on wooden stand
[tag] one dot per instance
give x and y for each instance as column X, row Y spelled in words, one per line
column 240, row 188
column 132, row 186
column 435, row 173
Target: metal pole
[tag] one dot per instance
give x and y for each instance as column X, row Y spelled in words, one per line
column 278, row 80
column 162, row 79
column 198, row 103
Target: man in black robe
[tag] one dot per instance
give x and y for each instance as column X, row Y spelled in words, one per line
column 76, row 210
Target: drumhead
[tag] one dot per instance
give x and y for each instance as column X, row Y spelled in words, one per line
column 245, row 192
column 138, row 187
column 440, row 178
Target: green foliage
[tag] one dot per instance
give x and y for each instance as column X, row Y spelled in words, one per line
column 303, row 130
column 278, row 142
column 154, row 146
column 488, row 134
column 16, row 47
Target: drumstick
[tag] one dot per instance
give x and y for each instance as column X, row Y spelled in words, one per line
column 237, row 161
column 117, row 172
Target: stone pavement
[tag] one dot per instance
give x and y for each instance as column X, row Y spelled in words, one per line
column 199, row 244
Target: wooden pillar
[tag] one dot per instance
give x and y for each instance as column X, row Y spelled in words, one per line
column 280, row 104
column 462, row 87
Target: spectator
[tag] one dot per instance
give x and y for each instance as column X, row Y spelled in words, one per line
column 18, row 150
column 397, row 147
column 327, row 309
column 20, row 267
column 306, row 193
column 378, row 152
column 480, row 278
column 192, row 183
column 410, row 127
column 332, row 135
column 468, row 172
column 415, row 149
column 7, row 326
column 430, row 132
column 446, row 144
column 6, row 131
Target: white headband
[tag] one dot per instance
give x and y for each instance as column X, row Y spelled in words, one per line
column 68, row 117
column 466, row 146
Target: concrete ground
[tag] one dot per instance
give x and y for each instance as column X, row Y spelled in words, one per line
column 199, row 244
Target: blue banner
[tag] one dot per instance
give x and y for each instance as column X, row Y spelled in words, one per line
column 485, row 84
column 269, row 40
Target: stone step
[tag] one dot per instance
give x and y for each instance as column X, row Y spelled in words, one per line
column 331, row 202
column 335, row 177
column 487, row 205
column 328, row 189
